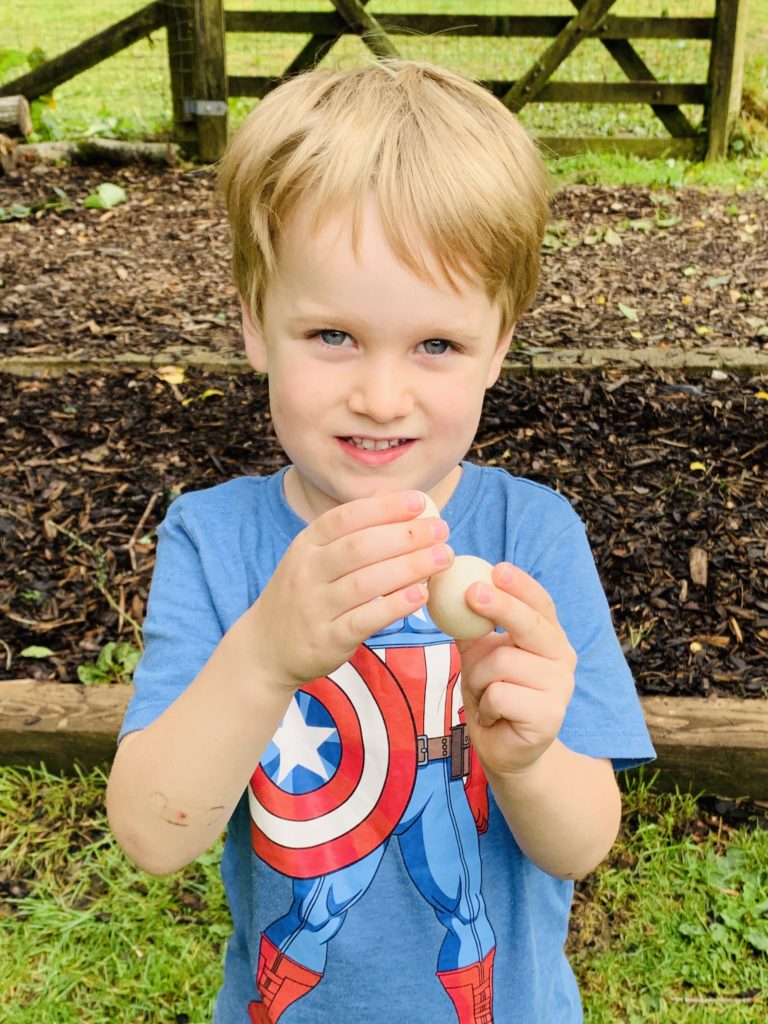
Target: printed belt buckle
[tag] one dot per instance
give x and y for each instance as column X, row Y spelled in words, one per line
column 422, row 753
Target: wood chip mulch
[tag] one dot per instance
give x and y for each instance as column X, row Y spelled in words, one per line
column 668, row 472
column 622, row 267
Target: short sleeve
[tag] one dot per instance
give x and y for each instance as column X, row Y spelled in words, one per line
column 604, row 718
column 181, row 629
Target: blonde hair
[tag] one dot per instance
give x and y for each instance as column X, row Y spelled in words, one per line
column 450, row 167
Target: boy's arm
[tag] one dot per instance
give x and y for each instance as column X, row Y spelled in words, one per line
column 564, row 811
column 563, row 808
column 174, row 785
column 349, row 574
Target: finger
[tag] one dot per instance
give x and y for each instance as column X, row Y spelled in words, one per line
column 528, row 710
column 513, row 580
column 387, row 577
column 363, row 513
column 514, row 665
column 527, row 627
column 366, row 620
column 377, row 544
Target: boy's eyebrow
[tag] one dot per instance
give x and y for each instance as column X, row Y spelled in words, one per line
column 322, row 318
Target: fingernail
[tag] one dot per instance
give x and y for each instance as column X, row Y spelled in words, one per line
column 506, row 572
column 414, row 501
column 483, row 594
column 439, row 529
column 441, row 555
column 416, row 593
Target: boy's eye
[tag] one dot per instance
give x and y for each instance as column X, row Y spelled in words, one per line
column 334, row 338
column 436, row 346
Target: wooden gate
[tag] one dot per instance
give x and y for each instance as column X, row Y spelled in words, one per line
column 201, row 86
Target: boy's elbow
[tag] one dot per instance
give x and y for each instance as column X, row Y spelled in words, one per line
column 147, row 859
column 137, row 842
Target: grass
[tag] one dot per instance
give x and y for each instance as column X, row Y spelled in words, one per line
column 85, row 934
column 129, row 95
column 674, row 927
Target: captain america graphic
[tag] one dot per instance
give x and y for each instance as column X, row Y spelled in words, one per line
column 378, row 749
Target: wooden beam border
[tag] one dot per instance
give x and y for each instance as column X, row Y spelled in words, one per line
column 717, row 745
column 363, row 24
column 589, row 18
column 519, row 25
column 552, row 92
column 636, row 70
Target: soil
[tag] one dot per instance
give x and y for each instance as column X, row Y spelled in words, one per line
column 668, row 472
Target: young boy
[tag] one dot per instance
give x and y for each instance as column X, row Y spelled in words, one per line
column 404, row 813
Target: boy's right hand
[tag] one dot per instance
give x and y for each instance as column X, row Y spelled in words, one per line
column 350, row 573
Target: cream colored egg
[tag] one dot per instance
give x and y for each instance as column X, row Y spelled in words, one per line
column 447, row 604
column 430, row 508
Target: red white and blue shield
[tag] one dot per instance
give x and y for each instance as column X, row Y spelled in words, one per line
column 338, row 774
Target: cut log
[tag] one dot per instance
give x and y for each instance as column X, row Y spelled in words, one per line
column 15, row 118
column 91, row 151
column 8, row 158
column 717, row 746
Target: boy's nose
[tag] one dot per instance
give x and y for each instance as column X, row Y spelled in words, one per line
column 382, row 394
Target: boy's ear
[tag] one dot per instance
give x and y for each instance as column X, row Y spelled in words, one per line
column 502, row 347
column 253, row 336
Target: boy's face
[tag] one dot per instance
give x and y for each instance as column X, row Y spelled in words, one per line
column 376, row 378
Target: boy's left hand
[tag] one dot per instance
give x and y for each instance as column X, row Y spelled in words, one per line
column 516, row 685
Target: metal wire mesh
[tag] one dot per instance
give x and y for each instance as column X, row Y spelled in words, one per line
column 500, row 58
column 130, row 93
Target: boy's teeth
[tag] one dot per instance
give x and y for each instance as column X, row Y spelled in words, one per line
column 374, row 446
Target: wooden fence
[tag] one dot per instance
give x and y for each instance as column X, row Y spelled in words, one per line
column 201, row 86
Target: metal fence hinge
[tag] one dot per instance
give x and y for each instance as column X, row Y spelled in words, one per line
column 206, row 108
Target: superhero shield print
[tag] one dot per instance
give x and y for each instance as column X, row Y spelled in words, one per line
column 338, row 773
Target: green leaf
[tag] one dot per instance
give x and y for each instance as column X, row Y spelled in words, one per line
column 36, row 57
column 612, row 237
column 11, row 59
column 128, row 656
column 733, row 918
column 757, row 937
column 105, row 197
column 667, row 222
column 36, row 652
column 16, row 210
column 629, row 312
column 90, row 676
column 692, row 930
column 104, row 660
column 551, row 242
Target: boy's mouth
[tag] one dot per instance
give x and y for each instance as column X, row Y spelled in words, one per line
column 372, row 444
column 375, row 452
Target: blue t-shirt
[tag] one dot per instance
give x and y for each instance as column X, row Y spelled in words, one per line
column 369, row 872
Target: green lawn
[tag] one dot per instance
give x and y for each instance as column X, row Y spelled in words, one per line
column 673, row 928
column 130, row 95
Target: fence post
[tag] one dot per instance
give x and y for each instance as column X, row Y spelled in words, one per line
column 197, row 59
column 726, row 69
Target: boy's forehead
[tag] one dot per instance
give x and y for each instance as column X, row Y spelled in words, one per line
column 318, row 244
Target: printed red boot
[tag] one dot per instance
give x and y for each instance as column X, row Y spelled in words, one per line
column 471, row 990
column 281, row 981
